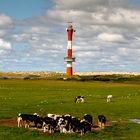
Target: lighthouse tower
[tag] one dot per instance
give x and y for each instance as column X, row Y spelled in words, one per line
column 69, row 58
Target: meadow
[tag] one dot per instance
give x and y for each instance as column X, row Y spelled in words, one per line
column 57, row 96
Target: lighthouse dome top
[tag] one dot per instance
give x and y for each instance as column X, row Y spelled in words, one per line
column 69, row 26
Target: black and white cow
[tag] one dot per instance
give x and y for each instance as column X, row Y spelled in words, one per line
column 70, row 124
column 85, row 127
column 79, row 99
column 64, row 123
column 101, row 121
column 75, row 124
column 27, row 119
column 88, row 118
column 49, row 124
column 52, row 122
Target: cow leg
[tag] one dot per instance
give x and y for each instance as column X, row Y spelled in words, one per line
column 100, row 124
column 81, row 132
column 103, row 125
column 44, row 129
column 82, row 100
column 19, row 119
column 26, row 124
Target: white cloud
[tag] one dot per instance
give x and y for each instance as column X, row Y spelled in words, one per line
column 88, row 5
column 111, row 37
column 4, row 45
column 37, row 29
column 5, row 48
column 5, row 21
column 120, row 17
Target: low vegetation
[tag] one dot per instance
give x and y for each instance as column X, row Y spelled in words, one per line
column 116, row 77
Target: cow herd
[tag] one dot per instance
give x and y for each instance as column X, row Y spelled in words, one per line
column 66, row 123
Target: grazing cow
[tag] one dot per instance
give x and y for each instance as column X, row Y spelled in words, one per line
column 101, row 121
column 27, row 119
column 85, row 127
column 49, row 124
column 79, row 99
column 75, row 124
column 109, row 98
column 70, row 124
column 64, row 123
column 88, row 118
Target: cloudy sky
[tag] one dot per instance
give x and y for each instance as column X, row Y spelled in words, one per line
column 33, row 35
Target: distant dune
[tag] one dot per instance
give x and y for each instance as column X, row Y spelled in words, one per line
column 107, row 73
column 50, row 74
column 22, row 75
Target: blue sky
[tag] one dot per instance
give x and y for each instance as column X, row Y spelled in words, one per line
column 33, row 35
column 19, row 9
column 134, row 2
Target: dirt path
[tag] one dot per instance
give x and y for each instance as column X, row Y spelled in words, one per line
column 9, row 122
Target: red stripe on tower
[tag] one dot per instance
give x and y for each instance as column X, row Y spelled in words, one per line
column 69, row 53
column 69, row 70
column 70, row 33
column 69, row 59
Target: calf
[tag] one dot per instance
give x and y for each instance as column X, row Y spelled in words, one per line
column 109, row 98
column 27, row 119
column 101, row 121
column 79, row 99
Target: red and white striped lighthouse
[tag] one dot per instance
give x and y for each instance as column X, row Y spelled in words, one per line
column 69, row 58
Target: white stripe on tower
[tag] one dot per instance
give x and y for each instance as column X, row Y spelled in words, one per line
column 69, row 64
column 69, row 44
column 69, row 69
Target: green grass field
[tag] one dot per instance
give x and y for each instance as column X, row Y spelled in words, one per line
column 54, row 96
